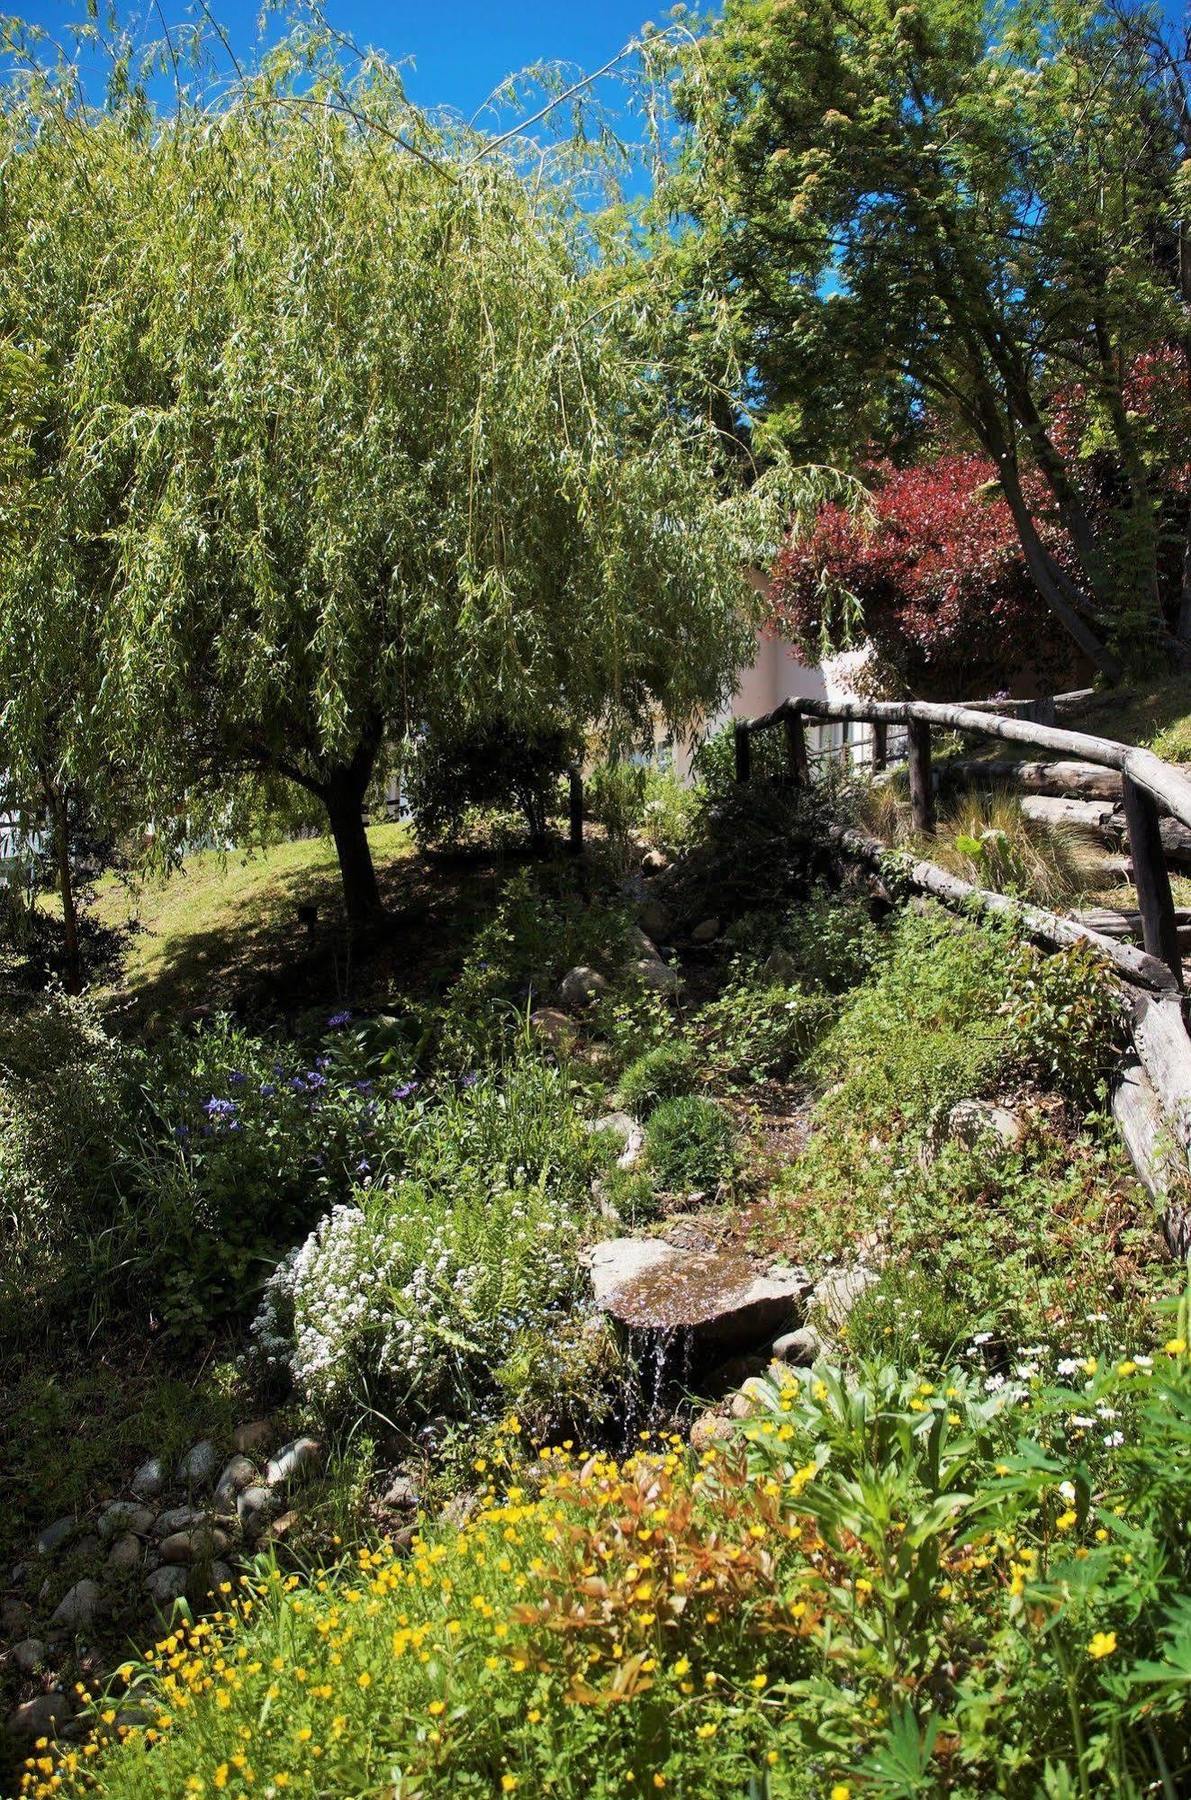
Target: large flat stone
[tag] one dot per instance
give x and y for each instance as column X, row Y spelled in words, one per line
column 721, row 1298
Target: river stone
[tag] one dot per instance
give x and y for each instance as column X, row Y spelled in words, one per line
column 149, row 1479
column 799, row 1348
column 125, row 1553
column 237, row 1474
column 199, row 1545
column 654, row 862
column 628, row 1134
column 656, row 975
column 124, row 1516
column 838, row 1292
column 167, row 1584
column 298, row 1457
column 581, row 985
column 221, row 1577
column 178, row 1518
column 29, row 1655
column 973, row 1122
column 552, row 1025
column 76, row 1609
column 198, row 1467
column 402, row 1493
column 725, row 1303
column 255, row 1506
column 655, row 920
column 41, row 1716
column 709, row 1429
column 55, row 1535
column 252, row 1436
column 705, row 931
column 16, row 1615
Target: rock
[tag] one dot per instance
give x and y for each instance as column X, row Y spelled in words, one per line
column 255, row 1506
column 653, row 973
column 283, row 1526
column 221, row 1577
column 459, row 1509
column 972, row 1122
column 708, row 1429
column 798, row 1348
column 55, row 1535
column 124, row 1516
column 654, row 861
column 15, row 1616
column 198, row 1467
column 77, row 1608
column 581, row 985
column 837, row 1293
column 200, row 1545
column 656, row 920
column 86, row 1549
column 552, row 1026
column 607, row 1209
column 41, row 1716
column 299, row 1457
column 253, row 1436
column 724, row 1302
column 125, row 1553
column 628, row 1134
column 149, row 1479
column 239, row 1473
column 178, row 1518
column 402, row 1493
column 779, row 968
column 29, row 1655
column 705, row 931
column 167, row 1584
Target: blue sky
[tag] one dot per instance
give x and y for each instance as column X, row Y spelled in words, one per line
column 461, row 49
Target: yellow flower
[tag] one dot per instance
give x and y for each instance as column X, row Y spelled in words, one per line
column 364, row 1680
column 841, row 1791
column 659, row 1781
column 507, row 1783
column 1066, row 1519
column 706, row 1731
column 1175, row 1346
column 220, row 1776
column 1103, row 1644
column 437, row 1708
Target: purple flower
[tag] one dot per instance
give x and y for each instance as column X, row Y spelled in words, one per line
column 405, row 1090
column 363, row 1167
column 364, row 1087
column 338, row 1020
column 298, row 1085
column 220, row 1109
column 267, row 1090
column 181, row 1132
column 470, row 1079
column 236, row 1079
column 314, row 1080
column 322, row 1062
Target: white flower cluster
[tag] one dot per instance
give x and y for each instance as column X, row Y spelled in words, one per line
column 412, row 1289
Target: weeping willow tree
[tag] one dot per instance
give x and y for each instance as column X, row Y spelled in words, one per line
column 346, row 428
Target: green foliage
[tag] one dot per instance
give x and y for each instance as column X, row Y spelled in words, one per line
column 1066, row 1019
column 490, row 767
column 454, row 1254
column 660, row 1074
column 691, row 1145
column 760, row 1029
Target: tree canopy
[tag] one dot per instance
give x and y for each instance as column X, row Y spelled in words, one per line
column 969, row 209
column 339, row 427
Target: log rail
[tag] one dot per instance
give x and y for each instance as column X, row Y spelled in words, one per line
column 1149, row 786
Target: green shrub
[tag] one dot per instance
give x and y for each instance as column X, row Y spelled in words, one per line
column 671, row 810
column 1066, row 1019
column 755, row 1031
column 660, row 1074
column 490, row 766
column 691, row 1145
column 615, row 798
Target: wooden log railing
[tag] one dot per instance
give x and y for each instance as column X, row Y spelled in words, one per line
column 1150, row 787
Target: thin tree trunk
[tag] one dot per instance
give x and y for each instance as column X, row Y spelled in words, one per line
column 73, row 976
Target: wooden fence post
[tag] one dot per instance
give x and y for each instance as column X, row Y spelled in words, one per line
column 744, row 759
column 576, row 797
column 1151, row 878
column 922, row 798
column 800, row 768
column 880, row 745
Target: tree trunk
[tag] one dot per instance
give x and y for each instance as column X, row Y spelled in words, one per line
column 73, row 972
column 344, row 800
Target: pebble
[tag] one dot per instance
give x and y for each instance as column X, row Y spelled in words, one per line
column 255, row 1506
column 252, row 1436
column 295, row 1458
column 178, row 1518
column 123, row 1516
column 125, row 1553
column 15, row 1615
column 581, row 985
column 705, row 931
column 221, row 1576
column 29, row 1655
column 402, row 1493
column 40, row 1716
column 167, row 1584
column 76, row 1609
column 237, row 1474
column 149, row 1479
column 193, row 1546
column 799, row 1348
column 55, row 1535
column 198, row 1467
